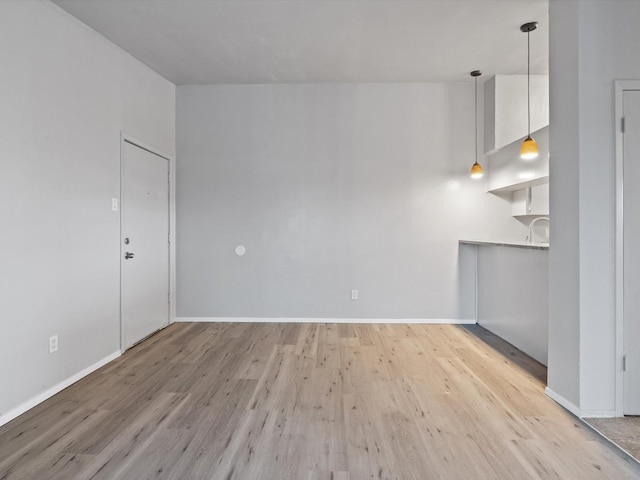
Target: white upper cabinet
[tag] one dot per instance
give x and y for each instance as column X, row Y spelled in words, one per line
column 508, row 172
column 505, row 108
column 530, row 201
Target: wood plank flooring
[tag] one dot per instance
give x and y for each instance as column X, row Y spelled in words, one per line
column 309, row 402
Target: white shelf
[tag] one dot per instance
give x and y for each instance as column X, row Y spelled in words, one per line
column 522, row 185
column 527, row 218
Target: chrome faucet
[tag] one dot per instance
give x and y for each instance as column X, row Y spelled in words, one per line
column 533, row 222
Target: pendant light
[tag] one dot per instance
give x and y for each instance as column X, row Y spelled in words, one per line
column 529, row 149
column 476, row 169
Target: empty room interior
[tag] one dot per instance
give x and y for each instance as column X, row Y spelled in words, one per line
column 320, row 239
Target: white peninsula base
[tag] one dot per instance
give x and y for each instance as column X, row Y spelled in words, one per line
column 512, row 298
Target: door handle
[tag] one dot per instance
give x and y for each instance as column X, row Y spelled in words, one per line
column 128, row 255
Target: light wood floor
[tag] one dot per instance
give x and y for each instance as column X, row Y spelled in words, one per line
column 309, row 402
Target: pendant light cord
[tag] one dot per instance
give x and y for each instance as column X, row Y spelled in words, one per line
column 476, row 117
column 528, row 86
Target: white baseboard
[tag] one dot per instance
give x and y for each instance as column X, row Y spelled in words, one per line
column 32, row 402
column 564, row 402
column 435, row 321
column 599, row 413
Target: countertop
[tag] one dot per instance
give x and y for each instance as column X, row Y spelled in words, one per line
column 532, row 246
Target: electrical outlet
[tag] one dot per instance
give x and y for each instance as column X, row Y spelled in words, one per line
column 53, row 344
column 354, row 294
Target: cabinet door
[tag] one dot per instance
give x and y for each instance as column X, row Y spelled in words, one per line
column 531, row 201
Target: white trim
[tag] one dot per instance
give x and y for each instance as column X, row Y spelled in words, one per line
column 32, row 402
column 620, row 87
column 127, row 137
column 563, row 402
column 434, row 321
column 598, row 413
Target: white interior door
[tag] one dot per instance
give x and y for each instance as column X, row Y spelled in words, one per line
column 145, row 244
column 631, row 213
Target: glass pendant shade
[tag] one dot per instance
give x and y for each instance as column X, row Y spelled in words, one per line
column 529, row 149
column 476, row 171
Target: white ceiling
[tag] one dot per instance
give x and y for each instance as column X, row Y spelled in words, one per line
column 311, row 41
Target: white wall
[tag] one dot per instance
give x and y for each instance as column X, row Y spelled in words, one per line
column 330, row 188
column 563, row 375
column 592, row 43
column 67, row 95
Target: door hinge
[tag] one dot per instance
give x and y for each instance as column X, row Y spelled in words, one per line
column 169, row 298
column 624, row 363
column 169, row 238
column 623, row 124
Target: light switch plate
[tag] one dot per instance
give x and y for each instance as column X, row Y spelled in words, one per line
column 114, row 204
column 53, row 344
